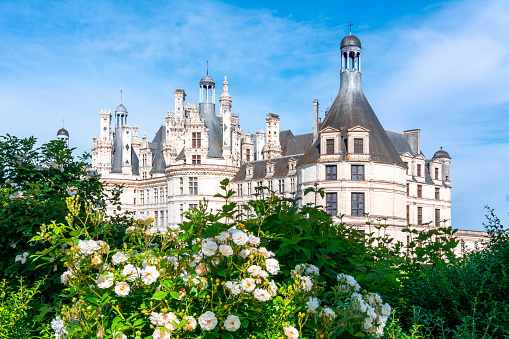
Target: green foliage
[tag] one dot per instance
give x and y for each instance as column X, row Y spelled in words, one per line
column 15, row 311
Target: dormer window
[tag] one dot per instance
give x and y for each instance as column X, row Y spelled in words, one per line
column 329, row 148
column 196, row 140
column 419, row 170
column 358, row 146
column 270, row 167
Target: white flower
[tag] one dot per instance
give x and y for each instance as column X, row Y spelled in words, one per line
column 266, row 253
column 87, row 247
column 239, row 237
column 207, row 321
column 21, row 257
column 226, row 250
column 105, row 280
column 248, row 284
column 254, row 270
column 103, row 246
column 272, row 265
column 234, row 287
column 306, row 283
column 313, row 304
column 122, row 289
column 261, row 294
column 312, row 270
column 119, row 335
column 222, row 238
column 58, row 326
column 328, row 313
column 368, row 323
column 291, row 332
column 272, row 288
column 161, row 333
column 157, row 319
column 96, row 260
column 209, row 247
column 66, row 276
column 232, row 323
column 201, row 269
column 118, row 258
column 131, row 272
column 170, row 321
column 149, row 275
column 298, row 270
column 245, row 253
column 191, row 323
column 347, row 283
column 254, row 241
column 386, row 309
column 72, row 191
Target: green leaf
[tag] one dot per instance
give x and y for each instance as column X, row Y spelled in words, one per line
column 160, row 295
column 174, row 294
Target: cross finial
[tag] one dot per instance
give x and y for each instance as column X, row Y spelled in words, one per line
column 120, row 96
column 207, row 67
column 350, row 27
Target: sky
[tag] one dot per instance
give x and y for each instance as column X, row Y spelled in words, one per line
column 438, row 66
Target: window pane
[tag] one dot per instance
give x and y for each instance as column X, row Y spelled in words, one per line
column 358, row 204
column 331, row 203
column 358, row 146
column 357, row 172
column 331, row 172
column 330, row 146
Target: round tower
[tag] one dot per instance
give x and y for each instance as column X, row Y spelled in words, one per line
column 121, row 115
column 63, row 134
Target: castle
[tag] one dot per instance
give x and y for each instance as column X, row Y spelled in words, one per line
column 367, row 173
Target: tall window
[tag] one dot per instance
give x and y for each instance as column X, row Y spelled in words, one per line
column 331, row 172
column 406, row 164
column 407, row 189
column 142, row 197
column 329, row 143
column 358, row 204
column 195, row 206
column 331, row 200
column 156, row 218
column 156, row 196
column 181, row 212
column 437, row 193
column 436, row 173
column 181, row 186
column 196, row 140
column 358, row 172
column 193, row 186
column 419, row 215
column 248, row 188
column 196, row 159
column 408, row 215
column 240, row 190
column 292, row 185
column 248, row 154
column 269, row 185
column 419, row 191
column 281, row 185
column 419, row 170
column 437, row 217
column 358, row 146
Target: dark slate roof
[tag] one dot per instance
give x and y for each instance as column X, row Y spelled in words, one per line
column 400, row 142
column 351, row 108
column 441, row 154
column 350, row 40
column 156, row 147
column 294, row 144
column 63, row 131
column 260, row 168
column 182, row 154
column 116, row 163
column 207, row 111
column 135, row 162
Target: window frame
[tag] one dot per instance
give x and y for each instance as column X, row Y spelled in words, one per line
column 358, row 205
column 331, row 203
column 357, row 176
column 331, row 172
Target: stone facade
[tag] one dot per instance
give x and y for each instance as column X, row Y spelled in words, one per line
column 368, row 173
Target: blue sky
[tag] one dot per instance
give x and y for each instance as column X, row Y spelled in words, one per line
column 440, row 66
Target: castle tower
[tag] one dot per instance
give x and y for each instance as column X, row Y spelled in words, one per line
column 272, row 148
column 179, row 98
column 207, row 110
column 63, row 134
column 225, row 107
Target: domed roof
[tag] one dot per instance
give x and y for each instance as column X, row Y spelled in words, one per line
column 63, row 131
column 207, row 80
column 441, row 154
column 121, row 108
column 350, row 40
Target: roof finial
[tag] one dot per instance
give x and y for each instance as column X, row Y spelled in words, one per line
column 63, row 126
column 120, row 96
column 350, row 27
column 207, row 67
